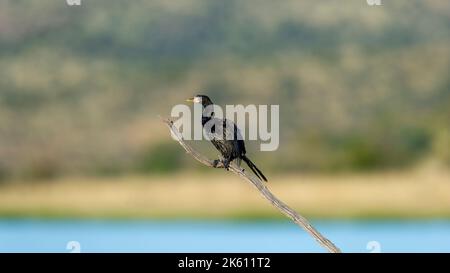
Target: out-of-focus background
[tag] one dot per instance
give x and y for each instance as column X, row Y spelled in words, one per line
column 364, row 95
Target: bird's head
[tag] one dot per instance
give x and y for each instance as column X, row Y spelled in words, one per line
column 202, row 99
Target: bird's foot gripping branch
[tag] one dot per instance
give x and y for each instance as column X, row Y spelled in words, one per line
column 266, row 193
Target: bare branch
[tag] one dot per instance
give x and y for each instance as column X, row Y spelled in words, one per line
column 280, row 205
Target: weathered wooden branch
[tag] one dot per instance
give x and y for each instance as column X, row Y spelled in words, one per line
column 285, row 209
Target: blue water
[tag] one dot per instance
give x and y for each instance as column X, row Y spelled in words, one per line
column 219, row 236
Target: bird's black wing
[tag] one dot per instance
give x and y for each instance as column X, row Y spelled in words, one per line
column 220, row 136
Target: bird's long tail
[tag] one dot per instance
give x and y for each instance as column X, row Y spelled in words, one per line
column 255, row 169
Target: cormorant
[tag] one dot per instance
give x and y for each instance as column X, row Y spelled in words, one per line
column 231, row 144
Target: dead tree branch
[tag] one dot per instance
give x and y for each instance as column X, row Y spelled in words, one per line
column 280, row 205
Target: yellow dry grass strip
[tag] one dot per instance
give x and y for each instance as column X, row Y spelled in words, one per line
column 413, row 194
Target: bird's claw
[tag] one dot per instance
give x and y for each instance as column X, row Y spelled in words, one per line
column 226, row 164
column 215, row 163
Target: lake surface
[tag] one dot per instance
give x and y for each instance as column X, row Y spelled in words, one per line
column 219, row 236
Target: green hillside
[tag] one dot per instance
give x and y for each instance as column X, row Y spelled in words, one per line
column 359, row 87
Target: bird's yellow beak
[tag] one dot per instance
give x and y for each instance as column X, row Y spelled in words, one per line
column 190, row 100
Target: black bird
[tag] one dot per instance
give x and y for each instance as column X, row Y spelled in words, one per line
column 230, row 144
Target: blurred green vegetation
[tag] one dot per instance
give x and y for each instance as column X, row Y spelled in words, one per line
column 161, row 158
column 359, row 87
